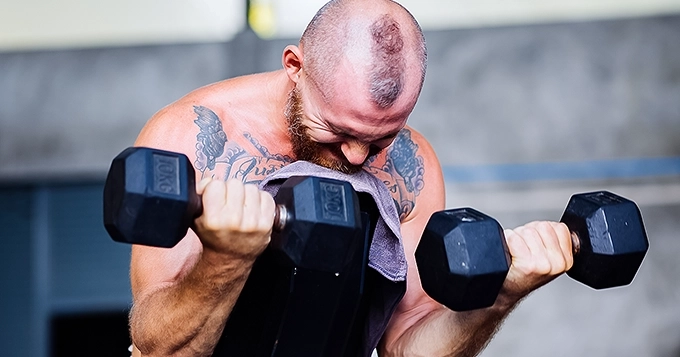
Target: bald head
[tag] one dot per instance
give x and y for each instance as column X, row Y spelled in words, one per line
column 379, row 39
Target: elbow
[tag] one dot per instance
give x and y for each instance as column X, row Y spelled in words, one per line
column 151, row 340
column 144, row 341
column 142, row 344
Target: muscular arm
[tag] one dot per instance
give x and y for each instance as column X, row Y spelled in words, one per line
column 183, row 295
column 185, row 315
column 422, row 327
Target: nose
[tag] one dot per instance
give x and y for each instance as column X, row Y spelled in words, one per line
column 355, row 152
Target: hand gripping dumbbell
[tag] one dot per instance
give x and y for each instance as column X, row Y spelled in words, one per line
column 463, row 257
column 150, row 199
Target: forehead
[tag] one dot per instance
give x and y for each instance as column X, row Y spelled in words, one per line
column 348, row 106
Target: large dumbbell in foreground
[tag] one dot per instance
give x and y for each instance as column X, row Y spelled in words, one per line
column 463, row 257
column 150, row 199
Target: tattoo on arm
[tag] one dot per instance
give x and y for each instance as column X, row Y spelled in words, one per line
column 402, row 172
column 406, row 163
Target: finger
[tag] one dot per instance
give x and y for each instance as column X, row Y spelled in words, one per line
column 235, row 200
column 538, row 261
column 564, row 239
column 213, row 202
column 200, row 186
column 553, row 249
column 251, row 208
column 267, row 210
column 516, row 245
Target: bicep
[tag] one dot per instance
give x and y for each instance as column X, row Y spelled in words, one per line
column 152, row 268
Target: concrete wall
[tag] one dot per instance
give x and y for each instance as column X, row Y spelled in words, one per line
column 516, row 94
column 554, row 92
column 602, row 94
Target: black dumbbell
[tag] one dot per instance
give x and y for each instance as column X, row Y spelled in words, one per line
column 463, row 258
column 150, row 199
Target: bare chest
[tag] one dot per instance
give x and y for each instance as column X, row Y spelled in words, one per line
column 245, row 155
column 241, row 156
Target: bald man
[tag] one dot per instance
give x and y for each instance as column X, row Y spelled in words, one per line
column 341, row 101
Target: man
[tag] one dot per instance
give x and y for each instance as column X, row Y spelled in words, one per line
column 341, row 101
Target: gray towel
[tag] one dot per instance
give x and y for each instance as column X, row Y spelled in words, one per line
column 386, row 254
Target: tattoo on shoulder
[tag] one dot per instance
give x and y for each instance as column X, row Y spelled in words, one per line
column 402, row 172
column 216, row 156
column 211, row 138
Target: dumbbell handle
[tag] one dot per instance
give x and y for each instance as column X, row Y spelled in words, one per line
column 281, row 214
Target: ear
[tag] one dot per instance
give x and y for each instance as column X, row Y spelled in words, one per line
column 292, row 62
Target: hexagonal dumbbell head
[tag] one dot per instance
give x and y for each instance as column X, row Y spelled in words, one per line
column 613, row 241
column 463, row 259
column 324, row 216
column 149, row 197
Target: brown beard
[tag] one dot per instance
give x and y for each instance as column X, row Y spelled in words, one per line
column 307, row 149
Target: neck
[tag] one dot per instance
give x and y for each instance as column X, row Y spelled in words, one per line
column 274, row 92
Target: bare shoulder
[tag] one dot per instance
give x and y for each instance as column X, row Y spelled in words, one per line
column 172, row 127
column 222, row 130
column 211, row 127
column 410, row 170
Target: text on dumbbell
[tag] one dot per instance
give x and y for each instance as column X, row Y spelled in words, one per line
column 166, row 174
column 333, row 204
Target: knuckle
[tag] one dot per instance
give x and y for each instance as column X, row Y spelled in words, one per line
column 212, row 191
column 249, row 224
column 560, row 263
column 217, row 185
column 558, row 266
column 266, row 198
column 529, row 233
column 542, row 266
column 545, row 229
column 232, row 222
column 206, row 224
column 562, row 229
column 251, row 189
column 212, row 223
column 265, row 227
column 235, row 186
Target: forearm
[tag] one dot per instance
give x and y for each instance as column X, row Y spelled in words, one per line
column 187, row 318
column 443, row 332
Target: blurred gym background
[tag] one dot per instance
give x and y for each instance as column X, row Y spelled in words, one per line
column 525, row 102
